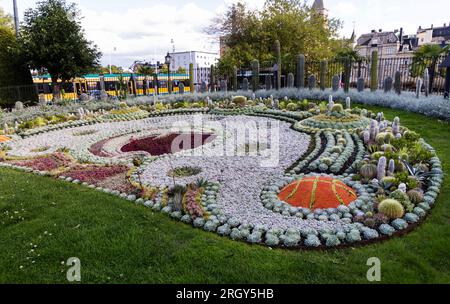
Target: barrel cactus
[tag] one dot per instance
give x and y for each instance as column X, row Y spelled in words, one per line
column 415, row 196
column 240, row 100
column 391, row 208
column 368, row 171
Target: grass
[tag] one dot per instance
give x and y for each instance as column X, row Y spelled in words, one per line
column 119, row 242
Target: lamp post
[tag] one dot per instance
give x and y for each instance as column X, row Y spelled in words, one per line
column 167, row 61
column 16, row 17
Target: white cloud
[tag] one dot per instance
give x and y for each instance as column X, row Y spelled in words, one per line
column 144, row 33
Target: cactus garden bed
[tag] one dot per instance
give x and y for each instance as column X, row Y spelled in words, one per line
column 342, row 177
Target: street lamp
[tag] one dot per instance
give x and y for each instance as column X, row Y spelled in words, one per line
column 169, row 86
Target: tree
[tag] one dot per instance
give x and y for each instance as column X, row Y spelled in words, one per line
column 249, row 35
column 6, row 21
column 427, row 56
column 114, row 70
column 146, row 70
column 51, row 37
column 181, row 70
column 13, row 70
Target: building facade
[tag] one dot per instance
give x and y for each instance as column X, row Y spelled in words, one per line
column 202, row 62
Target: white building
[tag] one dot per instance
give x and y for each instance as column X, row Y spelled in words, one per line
column 202, row 63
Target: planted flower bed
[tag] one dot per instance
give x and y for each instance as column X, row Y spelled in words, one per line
column 343, row 176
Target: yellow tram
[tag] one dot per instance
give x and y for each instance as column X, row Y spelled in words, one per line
column 134, row 84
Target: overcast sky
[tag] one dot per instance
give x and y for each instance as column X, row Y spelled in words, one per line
column 143, row 29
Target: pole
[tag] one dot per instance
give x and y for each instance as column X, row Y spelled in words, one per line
column 16, row 17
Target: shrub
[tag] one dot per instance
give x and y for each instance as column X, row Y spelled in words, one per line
column 391, row 208
column 240, row 100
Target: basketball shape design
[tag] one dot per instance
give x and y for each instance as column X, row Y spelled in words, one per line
column 317, row 192
column 4, row 138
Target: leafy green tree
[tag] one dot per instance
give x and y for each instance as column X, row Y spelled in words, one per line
column 181, row 70
column 114, row 69
column 146, row 70
column 249, row 35
column 427, row 56
column 51, row 37
column 16, row 83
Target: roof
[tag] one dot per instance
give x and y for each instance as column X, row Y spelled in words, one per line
column 318, row 5
column 188, row 52
column 377, row 38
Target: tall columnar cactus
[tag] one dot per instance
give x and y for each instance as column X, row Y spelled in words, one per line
column 418, row 87
column 235, row 79
column 347, row 74
column 398, row 82
column 290, row 80
column 348, row 103
column 312, row 82
column 300, row 71
column 181, row 88
column 268, row 82
column 278, row 56
column 391, row 167
column 191, row 78
column 426, row 82
column 388, row 84
column 374, row 129
column 330, row 103
column 360, row 84
column 381, row 168
column 212, row 79
column 374, row 72
column 245, row 85
column 203, row 87
column 255, row 75
column 323, row 74
column 335, row 83
column 223, row 86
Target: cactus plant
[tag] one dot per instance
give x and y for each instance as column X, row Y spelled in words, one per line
column 181, row 88
column 415, row 196
column 191, row 78
column 312, row 82
column 398, row 82
column 278, row 56
column 391, row 167
column 335, row 83
column 348, row 103
column 212, row 79
column 323, row 74
column 300, row 71
column 391, row 208
column 347, row 74
column 255, row 75
column 337, row 108
column 290, row 80
column 374, row 72
column 360, row 84
column 418, row 87
column 388, row 84
column 381, row 168
column 368, row 171
column 426, row 82
column 223, row 86
column 239, row 100
column 268, row 82
column 235, row 79
column 245, row 85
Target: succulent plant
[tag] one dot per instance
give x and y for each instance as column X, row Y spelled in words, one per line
column 403, row 199
column 374, row 72
column 338, row 108
column 368, row 171
column 300, row 71
column 415, row 196
column 381, row 168
column 391, row 208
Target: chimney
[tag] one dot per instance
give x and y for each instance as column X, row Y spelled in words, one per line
column 420, row 27
column 431, row 26
column 380, row 30
column 401, row 35
column 374, row 31
column 445, row 24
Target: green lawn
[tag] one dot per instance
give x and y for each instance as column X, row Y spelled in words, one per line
column 119, row 242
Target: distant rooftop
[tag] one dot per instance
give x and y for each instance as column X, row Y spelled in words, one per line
column 377, row 38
